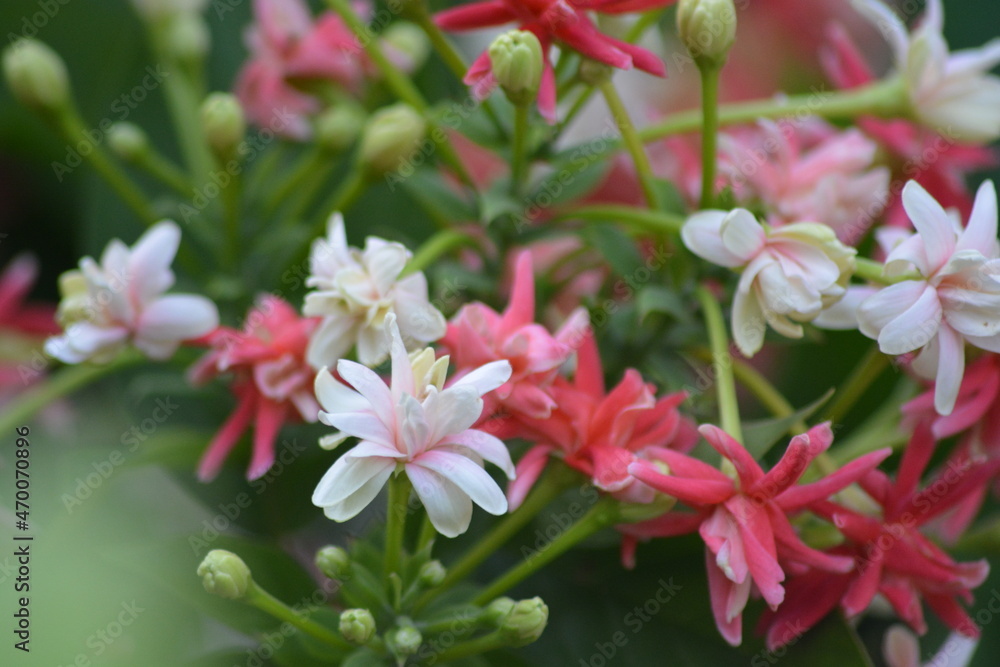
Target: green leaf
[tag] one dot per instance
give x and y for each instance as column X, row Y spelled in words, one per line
column 569, row 180
column 616, row 246
column 659, row 299
column 497, row 202
column 440, row 200
column 364, row 657
column 831, row 643
column 760, row 435
column 668, row 197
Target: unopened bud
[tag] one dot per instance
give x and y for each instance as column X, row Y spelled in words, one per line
column 75, row 305
column 333, row 562
column 517, row 61
column 155, row 10
column 224, row 124
column 497, row 611
column 592, row 72
column 391, row 137
column 223, row 573
column 187, row 37
column 339, row 127
column 128, row 141
column 526, row 621
column 36, row 75
column 406, row 45
column 432, row 573
column 708, row 29
column 357, row 626
column 406, row 640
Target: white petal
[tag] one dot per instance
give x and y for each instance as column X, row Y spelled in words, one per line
column 981, row 232
column 177, row 317
column 351, row 506
column 413, row 428
column 86, row 342
column 486, row 378
column 702, row 234
column 913, row 328
column 331, row 341
column 349, row 474
column 448, row 508
column 334, row 396
column 150, row 259
column 888, row 23
column 932, row 223
column 368, row 384
column 469, row 477
column 363, row 425
column 748, row 323
column 452, row 411
column 843, row 315
column 742, row 235
column 951, row 368
column 489, row 447
column 385, row 264
column 402, row 369
column 887, row 304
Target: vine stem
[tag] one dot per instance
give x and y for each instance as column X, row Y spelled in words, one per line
column 261, row 599
column 436, row 246
column 725, row 382
column 632, row 140
column 709, row 132
column 395, row 529
column 519, row 163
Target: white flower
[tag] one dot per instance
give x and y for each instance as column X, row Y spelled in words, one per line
column 790, row 273
column 953, row 93
column 105, row 306
column 955, row 298
column 356, row 290
column 430, row 438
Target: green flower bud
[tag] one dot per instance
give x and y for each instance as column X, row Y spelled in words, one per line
column 223, row 573
column 432, row 573
column 338, row 127
column 391, row 137
column 409, row 43
column 592, row 72
column 517, row 60
column 708, row 29
column 187, row 37
column 525, row 622
column 357, row 626
column 497, row 611
column 334, row 562
column 224, row 124
column 75, row 305
column 36, row 75
column 406, row 640
column 128, row 141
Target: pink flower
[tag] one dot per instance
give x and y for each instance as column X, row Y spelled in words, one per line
column 565, row 22
column 891, row 556
column 743, row 521
column 285, row 43
column 942, row 163
column 418, row 427
column 600, row 433
column 271, row 380
column 23, row 326
column 790, row 273
column 478, row 335
column 120, row 301
column 955, row 298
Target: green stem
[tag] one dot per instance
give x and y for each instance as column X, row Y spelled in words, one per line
column 341, row 199
column 885, row 99
column 166, row 172
column 603, row 514
column 395, row 529
column 868, row 369
column 231, row 208
column 879, row 430
column 655, row 222
column 442, row 45
column 71, row 126
column 709, row 132
column 307, row 166
column 490, row 642
column 519, row 161
column 548, row 489
column 435, row 247
column 427, row 533
column 869, row 269
column 632, row 141
column 725, row 383
column 183, row 103
column 58, row 384
column 261, row 599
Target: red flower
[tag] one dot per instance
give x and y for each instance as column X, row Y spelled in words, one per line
column 271, row 380
column 891, row 555
column 562, row 21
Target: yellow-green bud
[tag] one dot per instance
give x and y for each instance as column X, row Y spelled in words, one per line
column 334, row 562
column 224, row 124
column 497, row 611
column 592, row 72
column 406, row 640
column 357, row 626
column 338, row 127
column 408, row 42
column 187, row 37
column 432, row 573
column 155, row 10
column 525, row 622
column 391, row 137
column 128, row 141
column 36, row 75
column 517, row 61
column 708, row 29
column 223, row 573
column 75, row 305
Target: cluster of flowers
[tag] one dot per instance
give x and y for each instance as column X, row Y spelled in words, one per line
column 936, row 294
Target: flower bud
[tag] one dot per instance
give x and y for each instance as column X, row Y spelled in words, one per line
column 517, row 61
column 592, row 72
column 406, row 640
column 432, row 573
column 338, row 127
column 406, row 45
column 223, row 573
column 708, row 29
column 357, row 626
column 333, row 562
column 224, row 124
column 128, row 141
column 74, row 306
column 187, row 37
column 36, row 75
column 391, row 137
column 155, row 10
column 525, row 622
column 497, row 611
